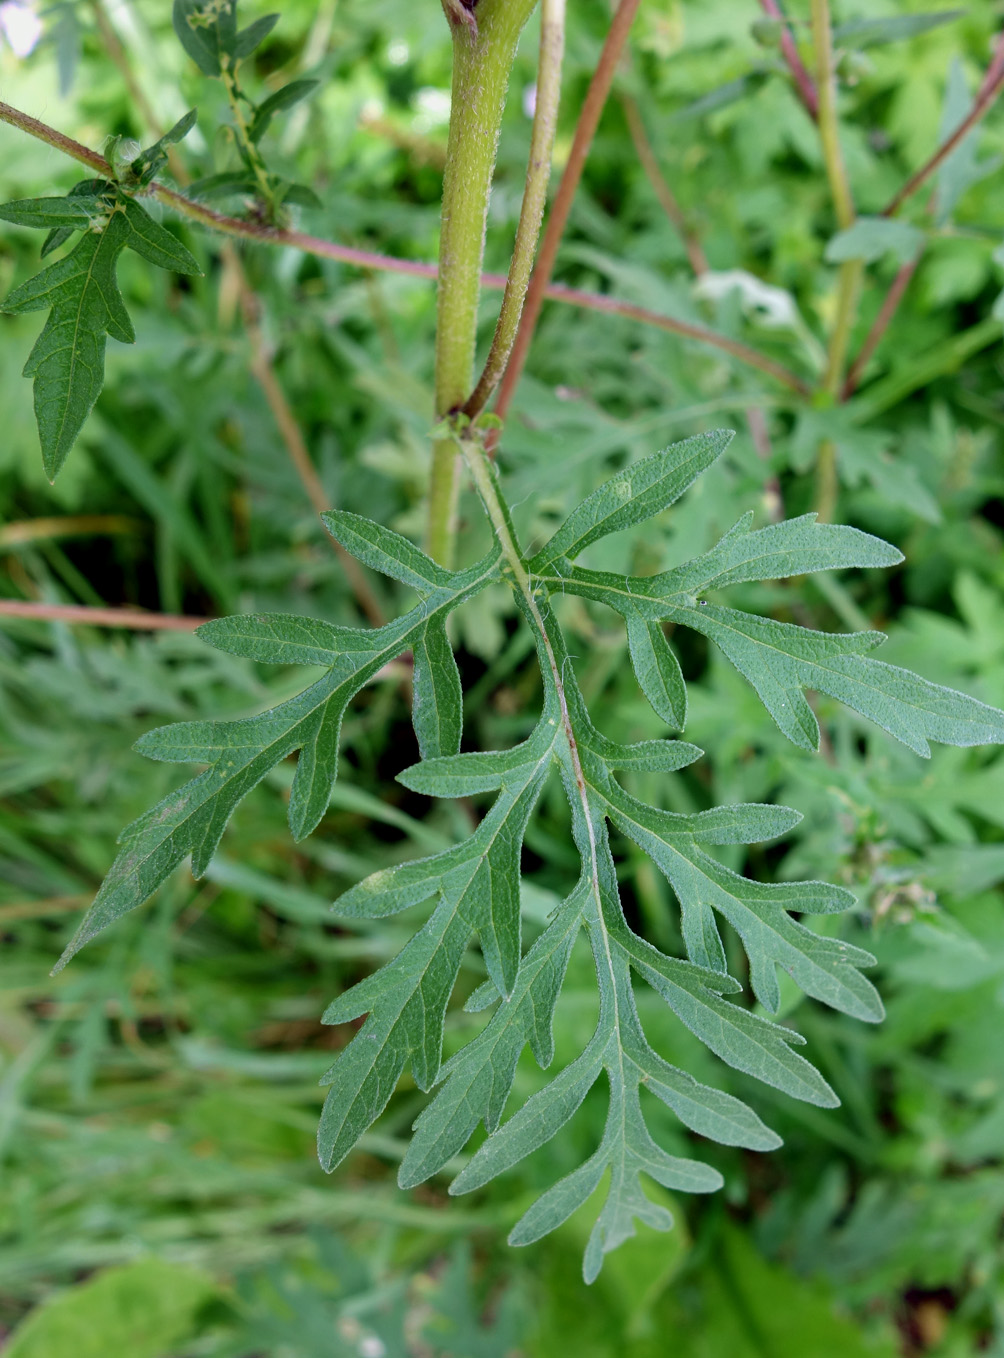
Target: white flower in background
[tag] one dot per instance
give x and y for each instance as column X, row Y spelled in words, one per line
column 21, row 26
column 530, row 100
column 432, row 108
column 769, row 306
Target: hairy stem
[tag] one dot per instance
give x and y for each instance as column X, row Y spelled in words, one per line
column 249, row 151
column 538, row 172
column 483, row 51
column 589, row 117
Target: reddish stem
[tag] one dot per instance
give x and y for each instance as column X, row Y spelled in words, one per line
column 880, row 325
column 100, row 617
column 369, row 259
column 804, row 83
column 585, row 130
column 990, row 88
column 558, row 292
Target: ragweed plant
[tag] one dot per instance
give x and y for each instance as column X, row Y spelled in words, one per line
column 472, row 889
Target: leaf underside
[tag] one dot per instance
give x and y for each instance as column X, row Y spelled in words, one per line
column 472, row 889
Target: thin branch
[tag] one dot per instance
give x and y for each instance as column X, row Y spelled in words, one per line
column 880, row 325
column 99, row 617
column 538, row 174
column 71, row 526
column 585, row 130
column 41, row 909
column 51, row 137
column 261, row 365
column 989, row 89
column 667, row 198
column 292, row 436
column 612, row 306
column 369, row 259
column 804, row 83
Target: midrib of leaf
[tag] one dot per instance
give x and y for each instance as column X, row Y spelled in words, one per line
column 619, row 812
column 82, row 301
column 485, row 481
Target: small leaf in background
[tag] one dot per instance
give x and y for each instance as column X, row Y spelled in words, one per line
column 82, row 296
column 151, row 161
column 147, row 1309
column 862, row 33
column 864, row 456
column 254, row 35
column 961, row 169
column 207, row 30
column 872, row 237
column 289, row 96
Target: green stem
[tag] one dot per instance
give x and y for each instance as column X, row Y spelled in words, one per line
column 251, row 154
column 851, row 272
column 485, row 479
column 538, row 172
column 483, row 53
column 826, row 84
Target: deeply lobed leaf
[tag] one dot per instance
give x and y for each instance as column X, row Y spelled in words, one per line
column 472, row 890
column 82, row 296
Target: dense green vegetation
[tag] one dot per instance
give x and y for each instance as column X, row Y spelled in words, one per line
column 159, row 1097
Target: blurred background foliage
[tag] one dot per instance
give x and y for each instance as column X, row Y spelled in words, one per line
column 160, row 1195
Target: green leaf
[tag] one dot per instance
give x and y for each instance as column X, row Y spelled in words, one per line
column 150, row 162
column 254, row 35
column 477, row 1081
column 477, row 890
column 471, row 890
column 657, row 670
column 206, row 30
column 720, row 97
column 82, row 296
column 384, row 550
column 863, row 33
column 781, row 660
column 223, row 185
column 872, row 237
column 437, row 710
column 299, row 194
column 822, row 967
column 155, row 243
column 961, row 169
column 636, row 494
column 144, row 1309
column 287, row 97
column 77, row 210
column 240, row 753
